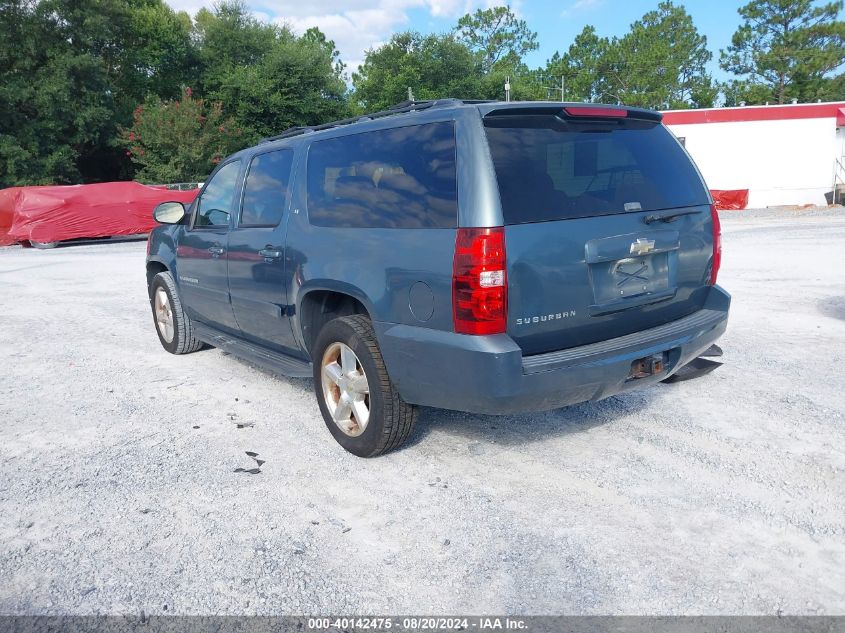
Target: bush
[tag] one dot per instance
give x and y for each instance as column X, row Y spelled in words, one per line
column 179, row 141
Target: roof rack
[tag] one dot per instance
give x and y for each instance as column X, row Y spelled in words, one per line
column 399, row 108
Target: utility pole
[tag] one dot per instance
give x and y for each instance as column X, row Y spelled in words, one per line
column 508, row 88
column 562, row 89
column 410, row 94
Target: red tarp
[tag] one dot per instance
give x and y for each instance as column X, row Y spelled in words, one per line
column 50, row 214
column 730, row 199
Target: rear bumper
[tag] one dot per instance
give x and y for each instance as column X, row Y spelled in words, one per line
column 488, row 374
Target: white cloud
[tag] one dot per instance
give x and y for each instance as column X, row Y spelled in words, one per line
column 354, row 30
column 359, row 25
column 189, row 6
column 582, row 5
column 354, row 25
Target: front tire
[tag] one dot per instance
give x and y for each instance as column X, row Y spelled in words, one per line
column 174, row 327
column 360, row 405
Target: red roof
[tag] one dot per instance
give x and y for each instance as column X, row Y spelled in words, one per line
column 758, row 113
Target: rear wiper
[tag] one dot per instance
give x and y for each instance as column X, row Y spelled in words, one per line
column 667, row 217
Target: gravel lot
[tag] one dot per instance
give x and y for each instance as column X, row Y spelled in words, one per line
column 120, row 487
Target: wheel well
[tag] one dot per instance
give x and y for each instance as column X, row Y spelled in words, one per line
column 321, row 306
column 153, row 268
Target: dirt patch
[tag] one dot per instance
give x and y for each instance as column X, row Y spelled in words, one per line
column 833, row 307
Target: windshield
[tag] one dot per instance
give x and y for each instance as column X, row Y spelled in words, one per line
column 551, row 169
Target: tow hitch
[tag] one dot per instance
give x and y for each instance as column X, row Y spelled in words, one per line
column 648, row 366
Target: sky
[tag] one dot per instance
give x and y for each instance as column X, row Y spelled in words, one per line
column 356, row 25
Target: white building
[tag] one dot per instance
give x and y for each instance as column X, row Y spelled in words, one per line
column 783, row 154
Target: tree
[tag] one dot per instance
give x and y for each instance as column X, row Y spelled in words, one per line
column 434, row 66
column 315, row 37
column 787, row 49
column 71, row 71
column 160, row 52
column 579, row 67
column 496, row 35
column 267, row 78
column 228, row 37
column 660, row 63
column 739, row 93
column 54, row 100
column 471, row 62
column 298, row 81
column 179, row 141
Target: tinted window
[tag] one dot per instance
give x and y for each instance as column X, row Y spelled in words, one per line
column 215, row 203
column 398, row 178
column 266, row 189
column 549, row 169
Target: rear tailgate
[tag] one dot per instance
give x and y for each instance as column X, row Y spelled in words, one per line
column 608, row 226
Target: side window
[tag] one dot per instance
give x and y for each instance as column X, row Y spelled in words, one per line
column 398, row 178
column 266, row 189
column 215, row 204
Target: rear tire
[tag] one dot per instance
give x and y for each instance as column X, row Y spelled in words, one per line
column 174, row 327
column 360, row 405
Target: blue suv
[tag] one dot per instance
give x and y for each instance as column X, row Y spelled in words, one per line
column 481, row 256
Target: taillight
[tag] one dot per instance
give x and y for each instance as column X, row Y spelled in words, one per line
column 596, row 111
column 717, row 245
column 480, row 282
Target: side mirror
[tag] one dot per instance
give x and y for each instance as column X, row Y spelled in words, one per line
column 169, row 212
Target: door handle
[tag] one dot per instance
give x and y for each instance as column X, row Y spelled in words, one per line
column 270, row 253
column 216, row 250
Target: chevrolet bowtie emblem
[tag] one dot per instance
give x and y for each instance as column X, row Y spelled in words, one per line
column 642, row 246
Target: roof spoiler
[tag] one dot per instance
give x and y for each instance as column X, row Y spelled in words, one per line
column 578, row 111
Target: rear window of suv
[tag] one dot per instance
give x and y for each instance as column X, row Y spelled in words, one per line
column 397, row 178
column 554, row 169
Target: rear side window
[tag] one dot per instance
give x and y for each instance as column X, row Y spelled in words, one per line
column 398, row 178
column 551, row 169
column 266, row 189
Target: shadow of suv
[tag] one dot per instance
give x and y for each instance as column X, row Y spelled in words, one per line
column 480, row 256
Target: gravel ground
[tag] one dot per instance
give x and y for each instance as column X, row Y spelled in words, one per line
column 122, row 483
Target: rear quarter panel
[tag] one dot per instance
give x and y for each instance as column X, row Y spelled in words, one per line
column 379, row 267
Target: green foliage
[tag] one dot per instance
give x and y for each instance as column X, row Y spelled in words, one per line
column 159, row 50
column 496, row 35
column 72, row 73
column 179, row 141
column 471, row 62
column 736, row 93
column 435, row 66
column 54, row 99
column 786, row 49
column 580, row 67
column 660, row 63
column 230, row 37
column 298, row 81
